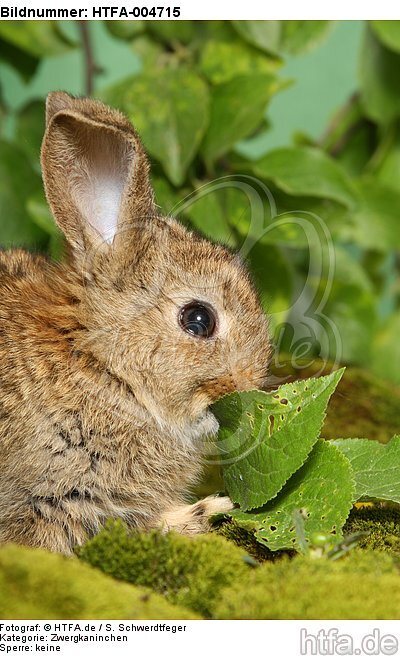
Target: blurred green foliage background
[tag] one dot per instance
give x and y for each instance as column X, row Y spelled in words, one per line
column 281, row 139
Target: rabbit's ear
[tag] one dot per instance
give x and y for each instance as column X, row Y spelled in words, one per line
column 95, row 171
column 57, row 102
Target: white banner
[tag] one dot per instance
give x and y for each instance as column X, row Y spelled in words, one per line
column 191, row 10
column 200, row 638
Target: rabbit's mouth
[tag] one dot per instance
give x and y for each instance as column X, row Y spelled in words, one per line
column 214, row 388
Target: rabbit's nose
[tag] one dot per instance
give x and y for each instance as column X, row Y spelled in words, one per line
column 251, row 378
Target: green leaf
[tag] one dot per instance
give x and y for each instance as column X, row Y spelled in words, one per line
column 125, row 29
column 322, row 490
column 274, row 281
column 302, row 221
column 217, row 30
column 24, row 63
column 170, row 31
column 375, row 467
column 41, row 216
column 380, row 80
column 237, row 109
column 170, row 111
column 30, row 126
column 349, row 136
column 3, row 109
column 221, row 61
column 350, row 306
column 39, row 38
column 385, row 350
column 292, row 36
column 352, row 310
column 375, row 221
column 17, row 182
column 167, row 198
column 388, row 32
column 301, row 36
column 306, row 172
column 218, row 209
column 265, row 437
column 151, row 54
column 207, row 215
column 349, row 269
column 40, row 213
column 262, row 34
column 385, row 163
column 356, row 152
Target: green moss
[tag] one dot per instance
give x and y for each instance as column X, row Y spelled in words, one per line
column 382, row 525
column 363, row 585
column 206, row 574
column 36, row 584
column 188, row 571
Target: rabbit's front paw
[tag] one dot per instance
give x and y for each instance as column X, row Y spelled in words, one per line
column 195, row 518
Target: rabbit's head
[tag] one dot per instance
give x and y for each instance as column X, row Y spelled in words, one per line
column 171, row 315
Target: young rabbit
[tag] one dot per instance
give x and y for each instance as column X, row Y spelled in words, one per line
column 110, row 360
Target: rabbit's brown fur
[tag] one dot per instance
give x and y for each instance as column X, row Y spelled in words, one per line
column 103, row 396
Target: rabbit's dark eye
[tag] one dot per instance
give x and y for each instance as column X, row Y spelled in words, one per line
column 198, row 319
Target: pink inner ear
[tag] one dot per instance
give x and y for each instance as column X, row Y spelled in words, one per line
column 103, row 202
column 101, row 169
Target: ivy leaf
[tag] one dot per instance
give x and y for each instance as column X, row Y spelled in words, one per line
column 170, row 111
column 306, row 171
column 375, row 467
column 237, row 109
column 388, row 32
column 322, row 490
column 266, row 436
